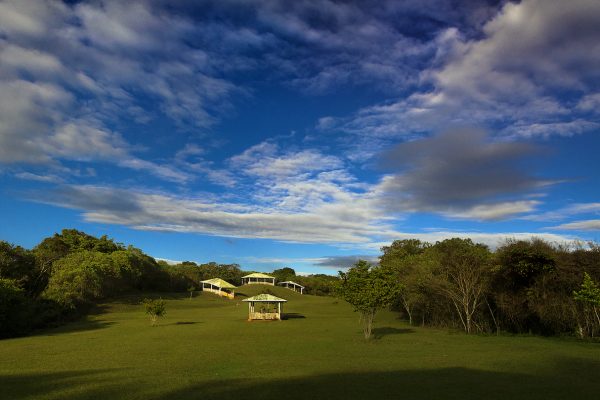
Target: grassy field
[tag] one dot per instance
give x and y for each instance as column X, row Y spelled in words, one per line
column 204, row 348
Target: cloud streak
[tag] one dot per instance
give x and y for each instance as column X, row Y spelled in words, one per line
column 161, row 212
column 585, row 225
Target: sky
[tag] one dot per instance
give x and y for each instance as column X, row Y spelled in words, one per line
column 305, row 134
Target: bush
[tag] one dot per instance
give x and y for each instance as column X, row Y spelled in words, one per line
column 154, row 308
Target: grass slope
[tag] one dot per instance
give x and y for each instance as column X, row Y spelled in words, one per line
column 204, row 348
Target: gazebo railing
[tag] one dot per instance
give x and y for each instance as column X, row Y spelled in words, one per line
column 264, row 315
column 259, row 281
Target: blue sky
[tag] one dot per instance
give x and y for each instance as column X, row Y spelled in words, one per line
column 304, row 134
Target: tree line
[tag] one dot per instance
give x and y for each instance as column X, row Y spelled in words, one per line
column 524, row 286
column 66, row 274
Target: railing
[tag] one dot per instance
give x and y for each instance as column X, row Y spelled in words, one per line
column 264, row 315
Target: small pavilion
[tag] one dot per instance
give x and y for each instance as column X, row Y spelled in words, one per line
column 264, row 307
column 258, row 278
column 219, row 286
column 296, row 287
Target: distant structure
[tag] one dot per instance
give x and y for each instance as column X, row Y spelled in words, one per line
column 219, row 287
column 264, row 307
column 296, row 287
column 258, row 278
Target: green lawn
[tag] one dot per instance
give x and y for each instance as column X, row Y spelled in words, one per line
column 204, row 348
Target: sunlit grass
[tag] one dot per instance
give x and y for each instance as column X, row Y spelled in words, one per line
column 205, row 348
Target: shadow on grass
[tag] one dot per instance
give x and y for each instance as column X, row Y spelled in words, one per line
column 184, row 323
column 379, row 333
column 569, row 379
column 59, row 385
column 78, row 326
column 292, row 315
column 442, row 383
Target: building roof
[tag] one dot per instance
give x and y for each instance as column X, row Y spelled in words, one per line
column 218, row 282
column 290, row 283
column 265, row 298
column 258, row 275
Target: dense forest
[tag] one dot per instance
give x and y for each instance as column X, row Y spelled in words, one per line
column 66, row 274
column 521, row 287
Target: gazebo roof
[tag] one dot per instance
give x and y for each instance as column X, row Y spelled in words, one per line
column 267, row 298
column 258, row 275
column 290, row 283
column 219, row 283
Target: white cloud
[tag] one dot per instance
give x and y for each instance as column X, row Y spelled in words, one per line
column 565, row 212
column 69, row 72
column 282, row 261
column 590, row 103
column 496, row 211
column 39, row 178
column 296, row 180
column 168, row 261
column 586, row 225
column 27, row 110
column 29, row 18
column 532, row 72
column 348, row 223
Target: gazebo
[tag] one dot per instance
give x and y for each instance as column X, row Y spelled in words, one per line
column 219, row 286
column 264, row 307
column 258, row 278
column 296, row 287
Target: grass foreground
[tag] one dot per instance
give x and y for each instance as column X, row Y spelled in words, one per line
column 204, row 348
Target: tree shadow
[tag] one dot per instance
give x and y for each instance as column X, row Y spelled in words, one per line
column 379, row 333
column 292, row 316
column 81, row 325
column 442, row 383
column 567, row 378
column 54, row 385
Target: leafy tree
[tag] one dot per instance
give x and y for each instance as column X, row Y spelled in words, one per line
column 400, row 249
column 284, row 274
column 155, row 309
column 77, row 240
column 48, row 251
column 415, row 276
column 520, row 285
column 318, row 284
column 589, row 299
column 58, row 246
column 463, row 276
column 81, row 278
column 368, row 289
column 15, row 309
column 405, row 260
column 17, row 263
